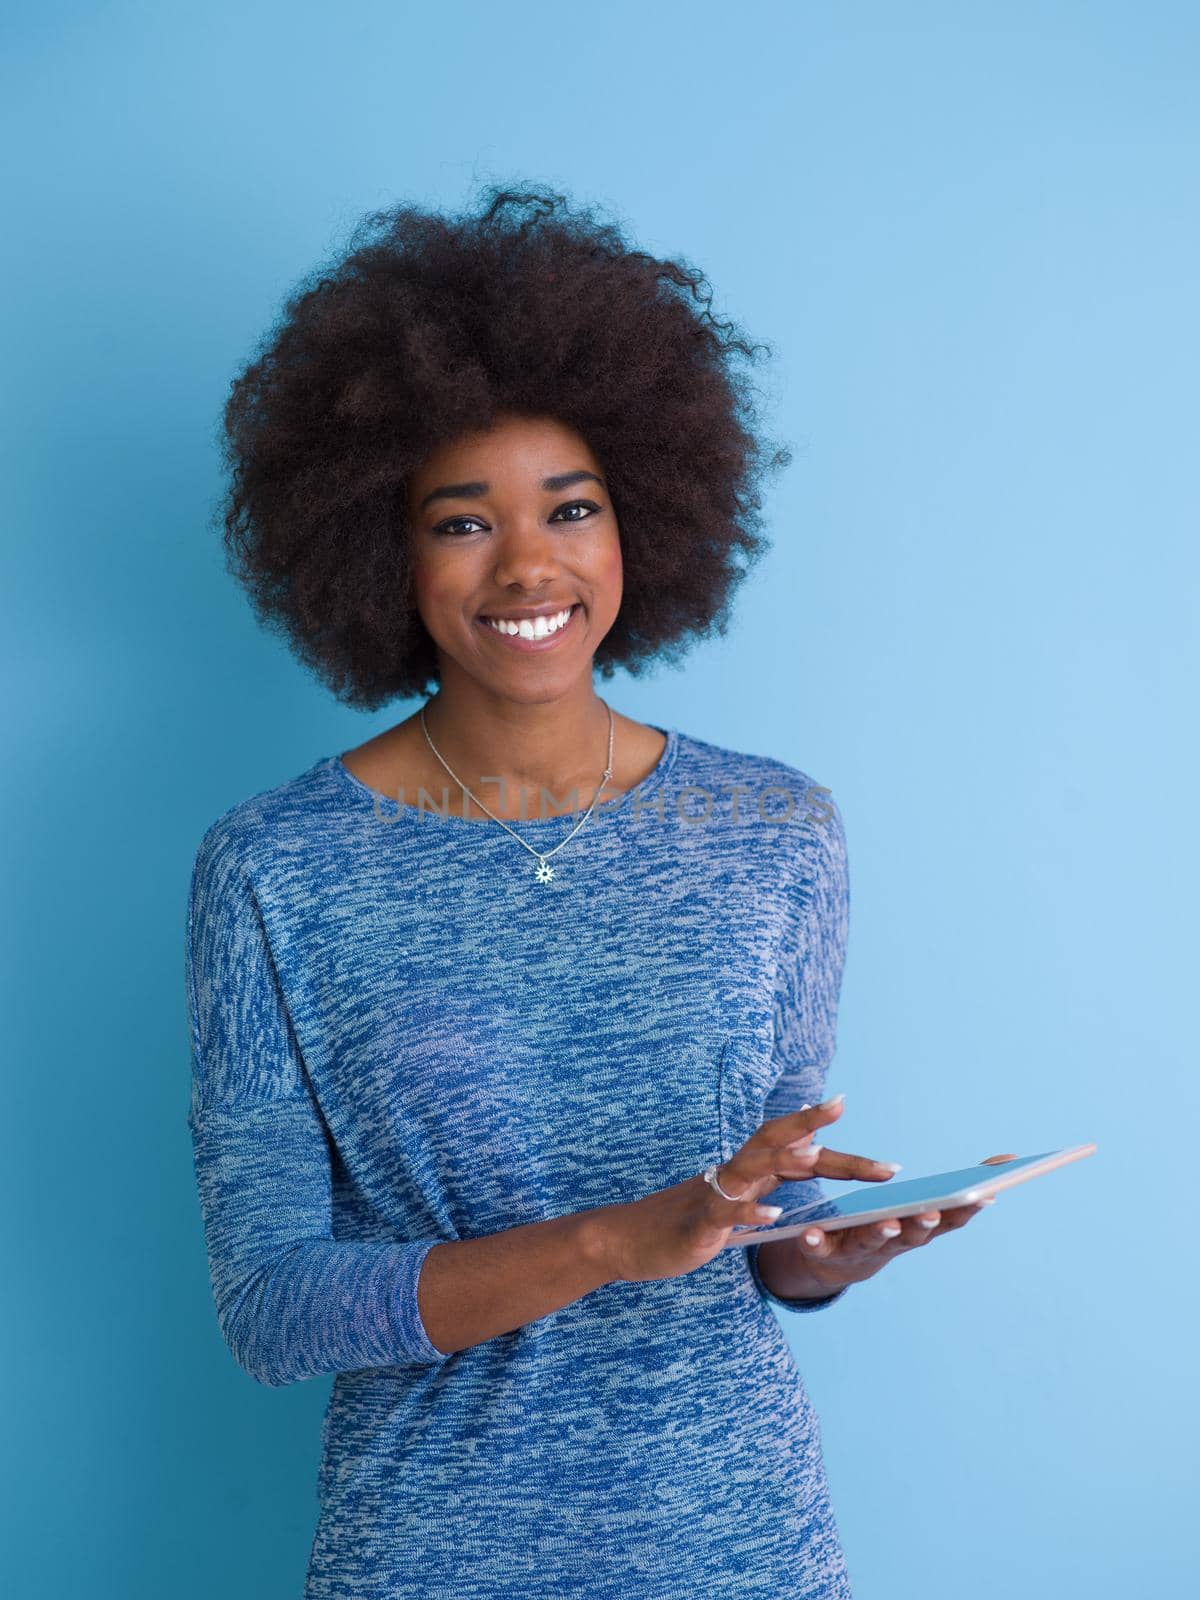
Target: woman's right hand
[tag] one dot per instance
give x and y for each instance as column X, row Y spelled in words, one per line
column 675, row 1230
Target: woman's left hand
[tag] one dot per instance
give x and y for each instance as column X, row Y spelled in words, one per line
column 851, row 1255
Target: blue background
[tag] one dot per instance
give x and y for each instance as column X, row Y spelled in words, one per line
column 970, row 234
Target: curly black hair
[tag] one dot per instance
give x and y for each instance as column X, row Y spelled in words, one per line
column 431, row 326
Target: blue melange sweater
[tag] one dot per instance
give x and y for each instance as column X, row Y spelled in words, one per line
column 400, row 1037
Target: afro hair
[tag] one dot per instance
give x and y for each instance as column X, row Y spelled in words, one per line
column 431, row 326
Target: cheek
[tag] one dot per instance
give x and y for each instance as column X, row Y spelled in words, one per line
column 424, row 588
column 609, row 572
column 435, row 588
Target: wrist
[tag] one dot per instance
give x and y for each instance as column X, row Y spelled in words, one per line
column 601, row 1242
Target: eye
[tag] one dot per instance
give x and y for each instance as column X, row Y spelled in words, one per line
column 448, row 525
column 589, row 506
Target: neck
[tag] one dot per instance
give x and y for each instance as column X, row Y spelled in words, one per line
column 507, row 752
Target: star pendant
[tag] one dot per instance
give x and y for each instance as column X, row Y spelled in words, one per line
column 545, row 871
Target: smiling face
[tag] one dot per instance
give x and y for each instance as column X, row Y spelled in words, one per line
column 506, row 524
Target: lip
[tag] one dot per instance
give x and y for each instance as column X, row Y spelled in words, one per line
column 548, row 608
column 514, row 641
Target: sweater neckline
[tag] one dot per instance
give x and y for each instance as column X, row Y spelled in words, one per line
column 535, row 826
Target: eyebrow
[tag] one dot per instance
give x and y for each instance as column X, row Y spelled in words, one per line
column 473, row 491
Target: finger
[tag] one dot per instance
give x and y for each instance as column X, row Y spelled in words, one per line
column 904, row 1233
column 755, row 1169
column 770, row 1167
column 818, row 1244
column 958, row 1216
column 783, row 1130
column 918, row 1230
column 870, row 1238
column 895, row 1233
column 807, row 1159
column 741, row 1185
column 914, row 1230
column 739, row 1201
column 993, row 1161
column 802, row 1160
column 784, row 1148
column 832, row 1163
column 752, row 1212
column 815, row 1159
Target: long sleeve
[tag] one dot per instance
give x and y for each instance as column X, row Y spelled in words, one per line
column 806, row 1008
column 292, row 1301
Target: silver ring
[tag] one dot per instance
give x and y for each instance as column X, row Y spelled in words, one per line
column 710, row 1177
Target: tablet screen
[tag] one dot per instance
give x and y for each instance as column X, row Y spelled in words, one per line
column 925, row 1193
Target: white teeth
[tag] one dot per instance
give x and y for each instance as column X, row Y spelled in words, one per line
column 531, row 627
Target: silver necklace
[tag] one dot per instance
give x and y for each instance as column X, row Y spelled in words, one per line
column 545, row 872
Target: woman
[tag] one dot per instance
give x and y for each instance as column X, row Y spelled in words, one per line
column 506, row 1019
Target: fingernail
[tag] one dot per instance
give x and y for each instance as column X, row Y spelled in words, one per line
column 812, row 1237
column 890, row 1230
column 770, row 1212
column 835, row 1100
column 892, row 1166
column 928, row 1222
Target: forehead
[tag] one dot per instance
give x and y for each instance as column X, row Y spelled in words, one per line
column 512, row 451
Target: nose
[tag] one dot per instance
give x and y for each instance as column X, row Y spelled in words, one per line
column 525, row 558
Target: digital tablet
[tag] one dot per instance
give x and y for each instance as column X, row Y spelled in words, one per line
column 873, row 1202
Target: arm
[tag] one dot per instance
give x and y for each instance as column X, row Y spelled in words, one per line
column 292, row 1301
column 806, row 1009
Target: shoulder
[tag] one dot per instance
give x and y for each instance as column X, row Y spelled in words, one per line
column 253, row 835
column 778, row 789
column 783, row 815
